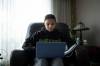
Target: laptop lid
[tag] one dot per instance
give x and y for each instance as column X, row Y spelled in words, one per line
column 50, row 49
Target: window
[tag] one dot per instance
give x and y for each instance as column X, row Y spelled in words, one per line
column 15, row 16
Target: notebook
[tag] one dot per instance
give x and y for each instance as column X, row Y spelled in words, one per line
column 50, row 49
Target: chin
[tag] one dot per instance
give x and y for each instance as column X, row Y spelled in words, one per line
column 50, row 30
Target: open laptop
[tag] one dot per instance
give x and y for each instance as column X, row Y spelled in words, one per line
column 50, row 49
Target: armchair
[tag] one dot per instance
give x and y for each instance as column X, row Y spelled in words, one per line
column 19, row 57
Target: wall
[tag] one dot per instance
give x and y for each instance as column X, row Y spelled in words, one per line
column 88, row 11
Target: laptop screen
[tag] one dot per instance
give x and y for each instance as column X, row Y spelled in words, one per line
column 50, row 49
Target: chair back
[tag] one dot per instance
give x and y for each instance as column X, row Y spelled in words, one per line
column 37, row 26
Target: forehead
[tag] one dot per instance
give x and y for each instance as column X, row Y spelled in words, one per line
column 50, row 21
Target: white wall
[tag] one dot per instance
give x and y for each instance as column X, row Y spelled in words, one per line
column 88, row 11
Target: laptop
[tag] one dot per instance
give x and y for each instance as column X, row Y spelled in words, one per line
column 50, row 49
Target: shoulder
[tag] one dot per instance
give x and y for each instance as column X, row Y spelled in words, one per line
column 37, row 33
column 58, row 32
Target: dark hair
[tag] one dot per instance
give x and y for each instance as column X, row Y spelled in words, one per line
column 50, row 16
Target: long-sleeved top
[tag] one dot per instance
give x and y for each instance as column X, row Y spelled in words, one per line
column 44, row 35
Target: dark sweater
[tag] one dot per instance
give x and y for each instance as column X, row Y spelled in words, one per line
column 44, row 35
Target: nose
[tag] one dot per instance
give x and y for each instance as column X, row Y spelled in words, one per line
column 50, row 26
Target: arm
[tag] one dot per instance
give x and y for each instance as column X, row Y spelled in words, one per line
column 69, row 41
column 72, row 47
column 30, row 42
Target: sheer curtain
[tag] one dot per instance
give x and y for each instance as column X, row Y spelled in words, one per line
column 62, row 10
column 15, row 16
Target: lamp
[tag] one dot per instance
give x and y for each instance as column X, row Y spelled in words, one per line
column 80, row 27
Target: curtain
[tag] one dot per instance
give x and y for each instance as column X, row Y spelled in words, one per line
column 15, row 16
column 62, row 10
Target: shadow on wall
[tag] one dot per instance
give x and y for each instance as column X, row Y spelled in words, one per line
column 92, row 35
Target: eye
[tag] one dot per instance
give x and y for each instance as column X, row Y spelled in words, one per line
column 52, row 23
column 47, row 24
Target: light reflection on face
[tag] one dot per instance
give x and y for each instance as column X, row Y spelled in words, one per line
column 50, row 24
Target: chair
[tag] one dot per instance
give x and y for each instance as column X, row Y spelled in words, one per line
column 19, row 57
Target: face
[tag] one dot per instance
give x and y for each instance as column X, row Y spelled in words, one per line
column 50, row 24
